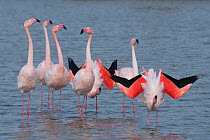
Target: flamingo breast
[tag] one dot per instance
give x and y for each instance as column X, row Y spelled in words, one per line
column 83, row 82
column 27, row 79
column 42, row 67
column 56, row 78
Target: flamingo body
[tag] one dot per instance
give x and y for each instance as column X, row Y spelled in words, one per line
column 57, row 77
column 27, row 79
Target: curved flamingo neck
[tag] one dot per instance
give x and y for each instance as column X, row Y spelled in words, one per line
column 60, row 56
column 135, row 65
column 30, row 48
column 47, row 58
column 88, row 55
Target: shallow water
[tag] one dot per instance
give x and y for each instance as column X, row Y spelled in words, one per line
column 173, row 35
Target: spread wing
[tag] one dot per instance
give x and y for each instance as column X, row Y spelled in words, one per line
column 132, row 87
column 106, row 73
column 72, row 66
column 176, row 88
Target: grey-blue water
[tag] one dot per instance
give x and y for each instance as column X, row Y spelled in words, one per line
column 174, row 35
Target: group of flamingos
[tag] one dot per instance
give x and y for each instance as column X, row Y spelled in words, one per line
column 89, row 79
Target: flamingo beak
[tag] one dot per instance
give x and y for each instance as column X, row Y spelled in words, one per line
column 82, row 31
column 137, row 41
column 37, row 20
column 50, row 22
column 64, row 27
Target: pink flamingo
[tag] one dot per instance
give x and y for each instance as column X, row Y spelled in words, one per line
column 84, row 79
column 152, row 88
column 128, row 73
column 27, row 78
column 102, row 77
column 57, row 77
column 44, row 65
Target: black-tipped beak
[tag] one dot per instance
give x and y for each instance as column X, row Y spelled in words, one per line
column 137, row 41
column 64, row 27
column 37, row 20
column 81, row 31
column 50, row 22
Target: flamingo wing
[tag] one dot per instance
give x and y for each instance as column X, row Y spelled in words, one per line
column 176, row 88
column 72, row 66
column 113, row 67
column 106, row 73
column 132, row 87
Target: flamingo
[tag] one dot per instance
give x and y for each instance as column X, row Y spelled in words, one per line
column 152, row 88
column 128, row 73
column 84, row 79
column 45, row 64
column 102, row 77
column 57, row 77
column 27, row 78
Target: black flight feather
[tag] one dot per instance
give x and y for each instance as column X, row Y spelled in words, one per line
column 125, row 82
column 183, row 81
column 72, row 66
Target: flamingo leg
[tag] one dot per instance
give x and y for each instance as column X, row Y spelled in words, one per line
column 48, row 97
column 134, row 110
column 79, row 110
column 123, row 103
column 86, row 106
column 148, row 120
column 22, row 104
column 41, row 103
column 156, row 117
column 59, row 105
column 96, row 104
column 28, row 110
column 22, row 108
column 52, row 101
column 84, row 103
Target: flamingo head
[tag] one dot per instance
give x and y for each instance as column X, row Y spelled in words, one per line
column 134, row 41
column 44, row 24
column 58, row 27
column 94, row 92
column 88, row 30
column 29, row 22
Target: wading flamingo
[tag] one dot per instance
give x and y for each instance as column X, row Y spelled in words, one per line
column 84, row 79
column 27, row 78
column 57, row 77
column 129, row 73
column 102, row 77
column 44, row 65
column 152, row 88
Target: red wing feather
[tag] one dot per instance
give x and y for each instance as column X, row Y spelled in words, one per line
column 105, row 75
column 172, row 86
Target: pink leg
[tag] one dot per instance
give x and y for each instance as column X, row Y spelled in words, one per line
column 22, row 108
column 84, row 103
column 123, row 103
column 96, row 104
column 134, row 110
column 52, row 101
column 41, row 103
column 156, row 117
column 59, row 105
column 148, row 120
column 28, row 110
column 22, row 104
column 29, row 104
column 48, row 97
column 79, row 110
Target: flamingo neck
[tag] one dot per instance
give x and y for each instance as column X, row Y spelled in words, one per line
column 60, row 57
column 88, row 55
column 47, row 58
column 30, row 48
column 135, row 65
